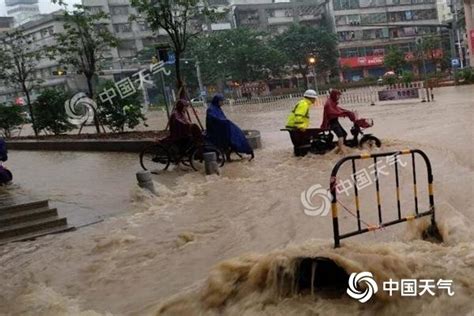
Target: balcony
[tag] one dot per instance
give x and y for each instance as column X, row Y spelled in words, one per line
column 309, row 17
column 118, row 2
column 221, row 26
column 280, row 20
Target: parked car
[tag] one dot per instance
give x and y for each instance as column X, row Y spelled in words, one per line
column 199, row 101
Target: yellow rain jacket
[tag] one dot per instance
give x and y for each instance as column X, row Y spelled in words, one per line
column 299, row 117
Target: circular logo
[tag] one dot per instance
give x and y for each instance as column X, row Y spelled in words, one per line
column 366, row 278
column 80, row 109
column 316, row 201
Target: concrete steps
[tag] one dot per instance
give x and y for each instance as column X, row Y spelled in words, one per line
column 29, row 220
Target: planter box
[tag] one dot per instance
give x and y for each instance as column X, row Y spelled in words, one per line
column 131, row 146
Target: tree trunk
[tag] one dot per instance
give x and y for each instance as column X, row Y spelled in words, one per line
column 30, row 108
column 179, row 79
column 91, row 95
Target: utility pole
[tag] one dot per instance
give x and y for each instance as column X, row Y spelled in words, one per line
column 312, row 61
column 199, row 77
column 456, row 27
column 453, row 52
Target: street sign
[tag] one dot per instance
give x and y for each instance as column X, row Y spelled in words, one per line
column 171, row 58
column 455, row 62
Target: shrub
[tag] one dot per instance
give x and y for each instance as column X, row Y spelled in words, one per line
column 50, row 113
column 407, row 77
column 122, row 113
column 10, row 118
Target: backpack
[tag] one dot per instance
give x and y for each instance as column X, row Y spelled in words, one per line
column 3, row 150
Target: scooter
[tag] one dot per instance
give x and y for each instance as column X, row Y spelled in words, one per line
column 324, row 141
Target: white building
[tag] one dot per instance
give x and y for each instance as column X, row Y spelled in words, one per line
column 41, row 31
column 22, row 10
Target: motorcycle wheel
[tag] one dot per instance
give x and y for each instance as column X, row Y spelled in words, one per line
column 369, row 142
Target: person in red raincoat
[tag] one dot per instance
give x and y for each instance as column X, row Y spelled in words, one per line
column 332, row 112
column 182, row 131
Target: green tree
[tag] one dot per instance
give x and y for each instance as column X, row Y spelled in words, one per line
column 180, row 19
column 18, row 61
column 83, row 44
column 428, row 48
column 300, row 42
column 50, row 112
column 122, row 113
column 395, row 60
column 241, row 55
column 10, row 119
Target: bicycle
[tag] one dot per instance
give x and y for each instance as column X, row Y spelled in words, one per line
column 158, row 157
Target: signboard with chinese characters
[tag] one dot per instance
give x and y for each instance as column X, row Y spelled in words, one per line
column 354, row 62
column 398, row 94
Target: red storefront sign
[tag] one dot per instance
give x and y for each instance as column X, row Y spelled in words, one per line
column 354, row 62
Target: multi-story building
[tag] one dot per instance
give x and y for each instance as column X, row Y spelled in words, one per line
column 41, row 32
column 469, row 18
column 135, row 35
column 6, row 23
column 22, row 10
column 367, row 28
column 276, row 17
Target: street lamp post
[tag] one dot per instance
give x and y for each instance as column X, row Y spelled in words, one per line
column 312, row 61
column 198, row 73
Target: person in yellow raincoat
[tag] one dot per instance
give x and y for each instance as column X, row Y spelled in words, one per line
column 298, row 121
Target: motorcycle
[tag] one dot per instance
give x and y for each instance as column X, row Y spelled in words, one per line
column 324, row 141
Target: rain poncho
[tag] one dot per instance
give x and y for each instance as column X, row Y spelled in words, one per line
column 333, row 111
column 224, row 133
column 3, row 150
column 299, row 117
column 5, row 174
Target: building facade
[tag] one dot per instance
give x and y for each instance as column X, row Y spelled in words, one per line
column 469, row 17
column 6, row 23
column 276, row 17
column 41, row 32
column 22, row 10
column 135, row 36
column 366, row 29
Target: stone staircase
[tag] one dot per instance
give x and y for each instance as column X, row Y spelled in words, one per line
column 30, row 220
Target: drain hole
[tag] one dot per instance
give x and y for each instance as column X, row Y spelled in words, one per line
column 322, row 276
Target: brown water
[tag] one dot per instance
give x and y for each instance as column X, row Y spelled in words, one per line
column 168, row 245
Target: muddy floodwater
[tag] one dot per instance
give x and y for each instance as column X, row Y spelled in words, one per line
column 229, row 244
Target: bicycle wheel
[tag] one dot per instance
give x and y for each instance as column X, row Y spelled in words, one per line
column 197, row 156
column 155, row 158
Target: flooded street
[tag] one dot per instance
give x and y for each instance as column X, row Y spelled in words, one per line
column 156, row 254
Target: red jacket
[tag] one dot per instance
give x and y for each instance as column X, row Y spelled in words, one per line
column 333, row 111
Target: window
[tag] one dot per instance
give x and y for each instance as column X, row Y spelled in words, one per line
column 346, row 36
column 119, row 10
column 372, row 3
column 374, row 18
column 143, row 26
column 346, row 4
column 341, row 20
column 122, row 27
column 94, row 9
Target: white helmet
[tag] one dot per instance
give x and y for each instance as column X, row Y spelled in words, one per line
column 311, row 94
